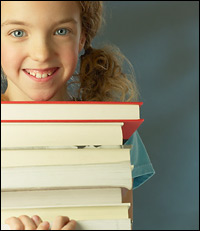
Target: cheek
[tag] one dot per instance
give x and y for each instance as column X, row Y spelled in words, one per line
column 10, row 58
column 70, row 57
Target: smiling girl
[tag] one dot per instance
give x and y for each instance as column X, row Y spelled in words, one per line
column 41, row 44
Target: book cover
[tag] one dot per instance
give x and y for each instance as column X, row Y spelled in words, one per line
column 74, row 111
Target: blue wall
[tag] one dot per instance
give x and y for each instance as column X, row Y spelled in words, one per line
column 161, row 39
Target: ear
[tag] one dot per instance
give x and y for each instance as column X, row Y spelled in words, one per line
column 82, row 41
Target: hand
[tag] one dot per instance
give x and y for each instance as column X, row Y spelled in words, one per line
column 36, row 223
column 26, row 223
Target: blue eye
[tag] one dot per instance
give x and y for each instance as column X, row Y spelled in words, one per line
column 62, row 31
column 18, row 33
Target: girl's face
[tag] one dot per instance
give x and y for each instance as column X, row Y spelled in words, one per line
column 39, row 38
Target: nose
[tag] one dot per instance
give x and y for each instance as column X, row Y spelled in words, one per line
column 40, row 50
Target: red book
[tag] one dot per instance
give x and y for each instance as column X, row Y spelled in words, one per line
column 74, row 111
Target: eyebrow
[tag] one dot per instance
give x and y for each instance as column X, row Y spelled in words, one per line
column 16, row 22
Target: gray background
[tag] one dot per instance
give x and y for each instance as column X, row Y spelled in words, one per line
column 161, row 39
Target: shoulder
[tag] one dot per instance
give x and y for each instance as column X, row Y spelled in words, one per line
column 143, row 168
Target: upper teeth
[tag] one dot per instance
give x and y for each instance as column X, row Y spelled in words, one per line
column 38, row 75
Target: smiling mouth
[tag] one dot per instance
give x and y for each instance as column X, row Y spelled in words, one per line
column 41, row 74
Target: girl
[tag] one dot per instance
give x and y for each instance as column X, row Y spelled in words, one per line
column 39, row 55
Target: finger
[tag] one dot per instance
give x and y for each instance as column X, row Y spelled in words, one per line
column 29, row 224
column 14, row 223
column 44, row 226
column 71, row 225
column 59, row 222
column 37, row 220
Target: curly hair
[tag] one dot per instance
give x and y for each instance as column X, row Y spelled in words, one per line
column 101, row 77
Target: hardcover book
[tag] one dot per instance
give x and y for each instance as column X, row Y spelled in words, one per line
column 74, row 111
column 68, row 158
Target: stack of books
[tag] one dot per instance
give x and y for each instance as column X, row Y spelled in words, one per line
column 68, row 158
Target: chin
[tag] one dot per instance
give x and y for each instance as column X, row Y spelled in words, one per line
column 41, row 97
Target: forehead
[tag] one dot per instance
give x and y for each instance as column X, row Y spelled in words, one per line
column 41, row 10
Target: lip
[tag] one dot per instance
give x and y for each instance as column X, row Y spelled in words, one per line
column 41, row 71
